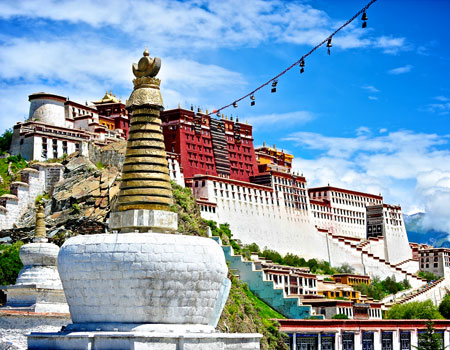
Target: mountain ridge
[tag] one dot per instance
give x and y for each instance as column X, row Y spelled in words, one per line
column 419, row 234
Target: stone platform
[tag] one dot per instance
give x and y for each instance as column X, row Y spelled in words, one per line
column 32, row 298
column 99, row 340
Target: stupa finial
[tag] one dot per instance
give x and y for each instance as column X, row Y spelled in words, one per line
column 147, row 66
column 40, row 231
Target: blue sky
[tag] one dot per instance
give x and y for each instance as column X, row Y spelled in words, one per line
column 372, row 116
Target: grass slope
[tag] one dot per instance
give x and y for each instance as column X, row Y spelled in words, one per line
column 18, row 163
column 245, row 313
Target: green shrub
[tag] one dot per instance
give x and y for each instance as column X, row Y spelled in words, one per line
column 340, row 317
column 429, row 276
column 345, row 268
column 42, row 197
column 270, row 254
column 190, row 221
column 10, row 264
column 424, row 310
column 76, row 208
column 253, row 248
column 444, row 307
column 17, row 163
column 378, row 289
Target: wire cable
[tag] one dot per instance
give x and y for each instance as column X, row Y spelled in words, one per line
column 296, row 62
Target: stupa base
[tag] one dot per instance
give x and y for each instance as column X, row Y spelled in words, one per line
column 143, row 220
column 106, row 340
column 34, row 299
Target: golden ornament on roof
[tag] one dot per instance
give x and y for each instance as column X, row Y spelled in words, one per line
column 147, row 66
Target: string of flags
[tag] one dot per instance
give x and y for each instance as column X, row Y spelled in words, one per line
column 300, row 62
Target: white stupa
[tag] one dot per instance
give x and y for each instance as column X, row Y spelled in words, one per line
column 38, row 287
column 144, row 286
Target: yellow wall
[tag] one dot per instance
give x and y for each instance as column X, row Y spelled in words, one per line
column 333, row 294
column 109, row 124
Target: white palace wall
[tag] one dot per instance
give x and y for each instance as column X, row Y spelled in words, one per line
column 286, row 230
column 254, row 219
column 37, row 180
column 397, row 244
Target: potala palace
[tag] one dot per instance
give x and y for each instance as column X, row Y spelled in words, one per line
column 255, row 191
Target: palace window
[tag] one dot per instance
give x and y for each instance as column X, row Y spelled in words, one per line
column 405, row 340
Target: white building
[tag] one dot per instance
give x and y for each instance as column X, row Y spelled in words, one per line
column 58, row 126
column 436, row 261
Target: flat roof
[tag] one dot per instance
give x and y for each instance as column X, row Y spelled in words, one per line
column 330, row 325
column 343, row 190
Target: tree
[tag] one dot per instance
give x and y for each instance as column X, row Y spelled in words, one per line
column 444, row 306
column 429, row 340
column 5, row 141
column 293, row 260
column 345, row 268
column 253, row 248
column 429, row 276
column 406, row 284
column 391, row 285
column 272, row 255
column 10, row 263
column 421, row 310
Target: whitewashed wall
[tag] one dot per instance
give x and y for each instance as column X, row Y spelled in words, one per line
column 38, row 180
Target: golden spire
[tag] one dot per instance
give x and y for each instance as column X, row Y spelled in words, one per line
column 40, row 231
column 147, row 67
column 145, row 175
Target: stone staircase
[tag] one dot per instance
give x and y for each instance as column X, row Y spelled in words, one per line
column 421, row 293
column 368, row 263
column 288, row 306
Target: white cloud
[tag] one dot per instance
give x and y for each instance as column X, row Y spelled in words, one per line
column 362, row 130
column 401, row 70
column 194, row 75
column 390, row 45
column 281, row 120
column 401, row 165
column 370, row 88
column 434, row 187
column 165, row 25
column 373, row 98
column 441, row 108
column 95, row 68
column 30, row 60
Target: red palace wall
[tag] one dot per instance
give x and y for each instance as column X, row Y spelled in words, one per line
column 209, row 146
